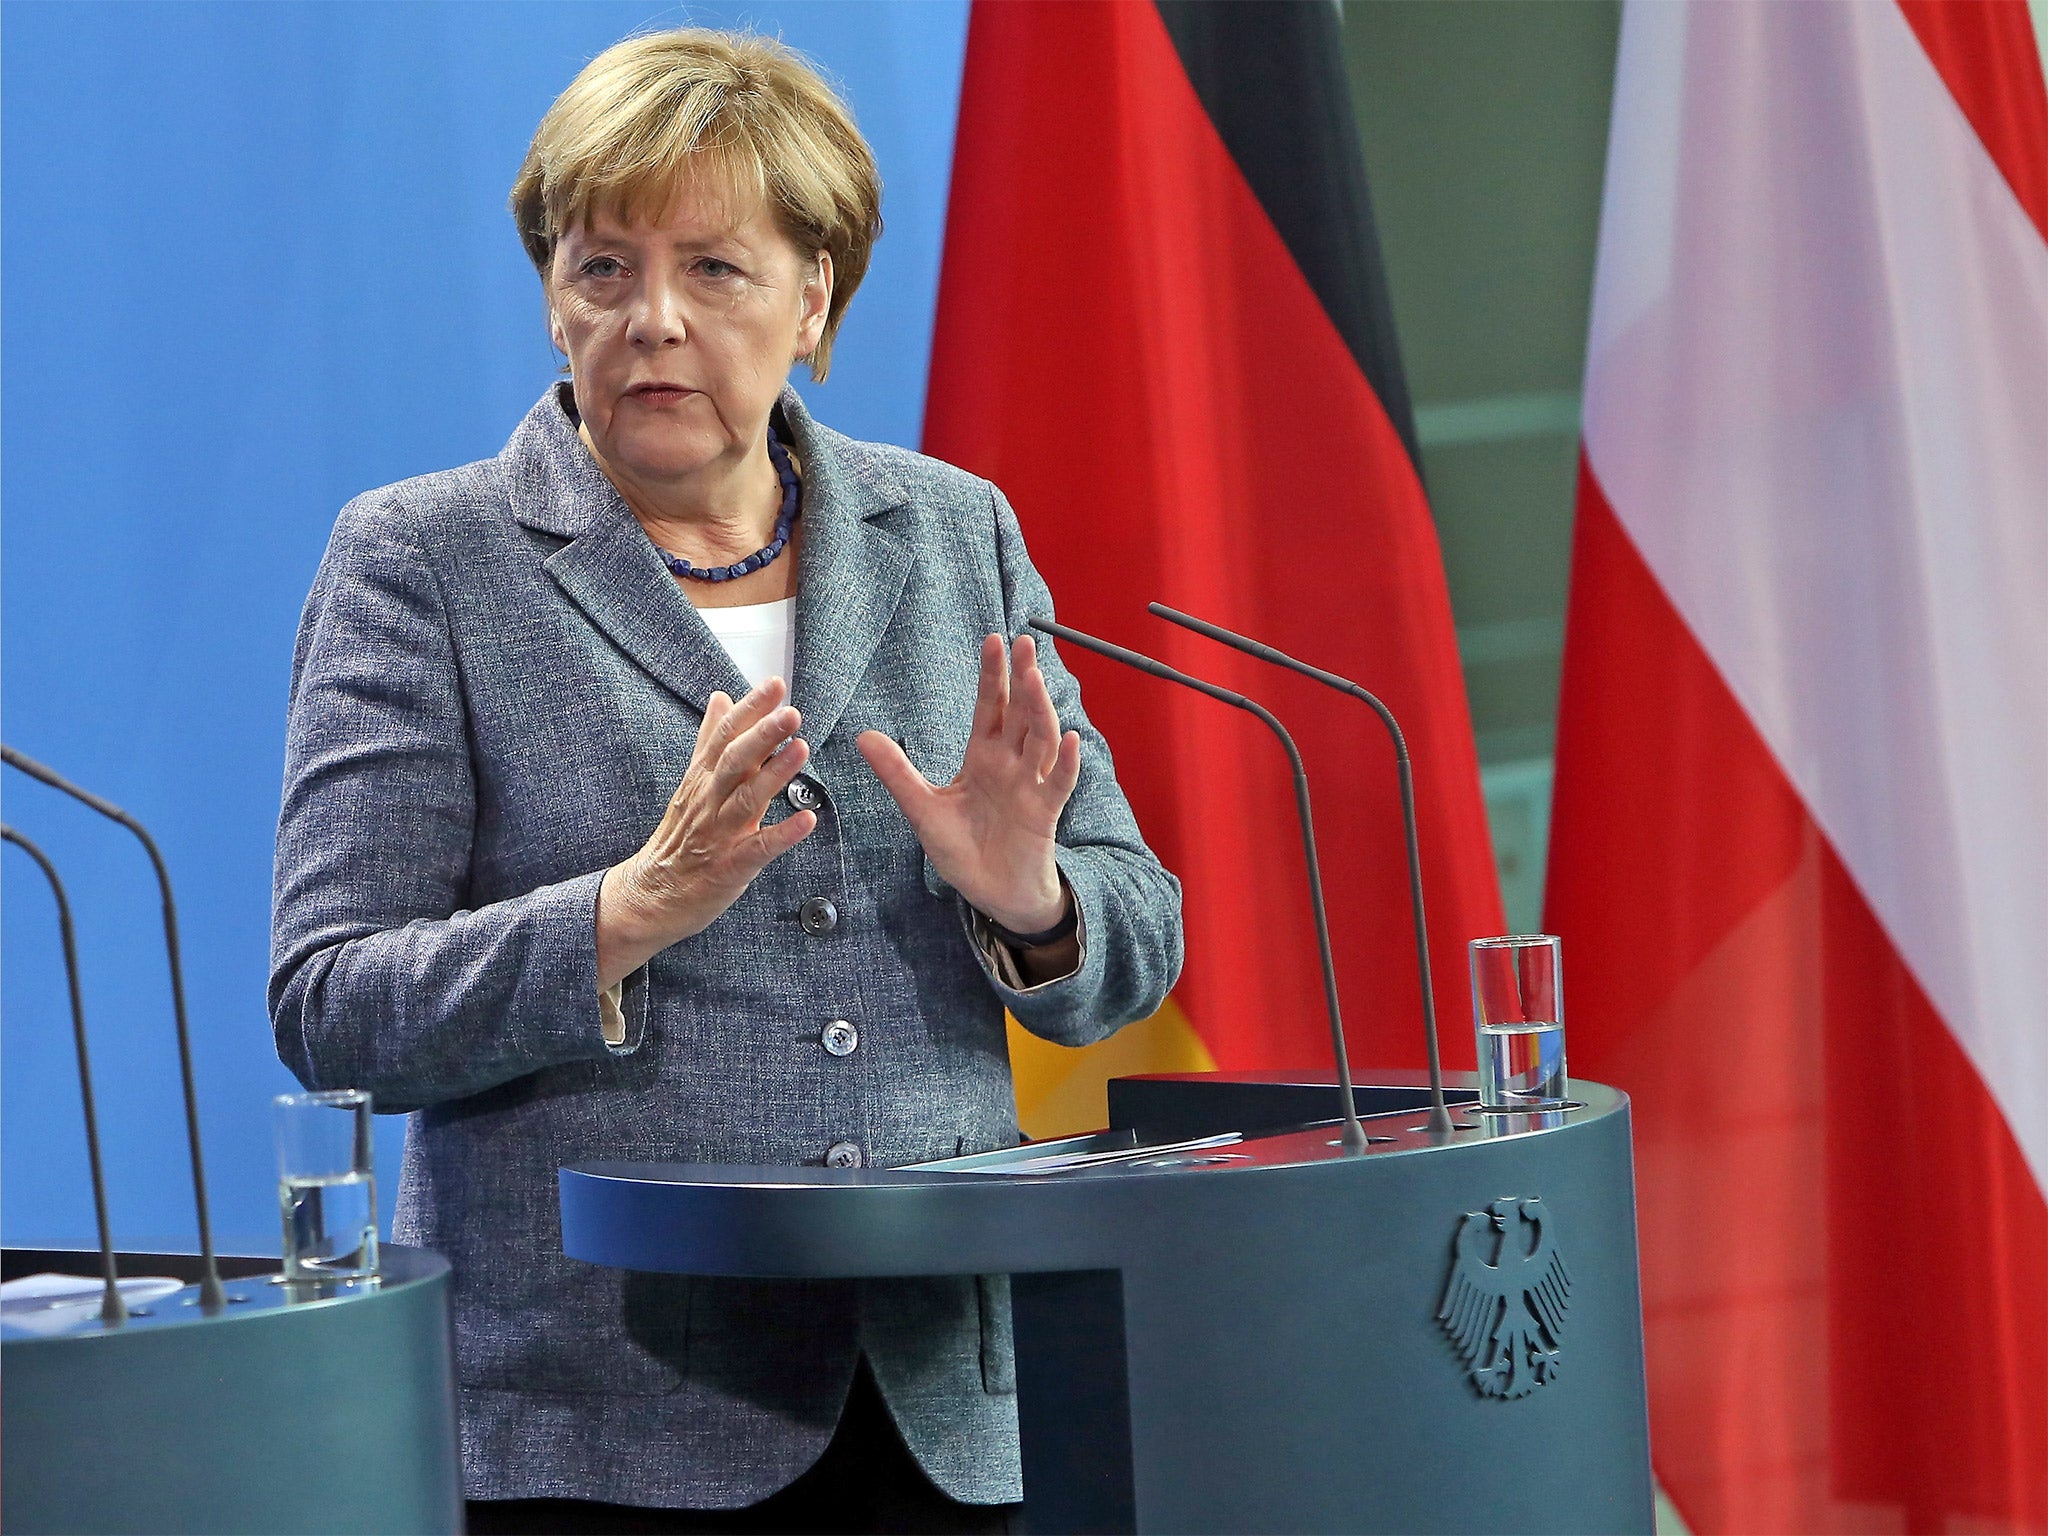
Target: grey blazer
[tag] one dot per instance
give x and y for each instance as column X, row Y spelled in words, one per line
column 495, row 689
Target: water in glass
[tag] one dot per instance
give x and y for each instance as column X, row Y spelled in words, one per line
column 1521, row 1064
column 330, row 1226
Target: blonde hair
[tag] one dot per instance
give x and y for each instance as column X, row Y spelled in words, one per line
column 658, row 112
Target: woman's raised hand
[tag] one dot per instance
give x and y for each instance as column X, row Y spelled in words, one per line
column 989, row 833
column 710, row 843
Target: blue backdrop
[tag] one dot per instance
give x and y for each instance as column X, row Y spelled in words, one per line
column 257, row 260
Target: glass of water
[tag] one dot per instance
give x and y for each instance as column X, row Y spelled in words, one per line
column 327, row 1185
column 1518, row 1006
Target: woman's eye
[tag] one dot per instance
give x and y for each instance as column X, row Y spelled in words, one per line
column 602, row 266
column 711, row 266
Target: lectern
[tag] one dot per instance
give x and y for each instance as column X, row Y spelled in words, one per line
column 1227, row 1322
column 290, row 1409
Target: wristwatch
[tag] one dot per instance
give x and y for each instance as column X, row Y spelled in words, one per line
column 1069, row 921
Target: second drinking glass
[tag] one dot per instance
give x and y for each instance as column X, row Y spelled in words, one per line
column 327, row 1186
column 1518, row 1007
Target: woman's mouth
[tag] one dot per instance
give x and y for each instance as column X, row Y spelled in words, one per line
column 658, row 394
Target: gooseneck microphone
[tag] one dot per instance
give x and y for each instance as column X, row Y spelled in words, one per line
column 1353, row 1133
column 1439, row 1112
column 113, row 1310
column 211, row 1297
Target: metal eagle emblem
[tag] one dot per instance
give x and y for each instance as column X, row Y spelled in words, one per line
column 1504, row 1303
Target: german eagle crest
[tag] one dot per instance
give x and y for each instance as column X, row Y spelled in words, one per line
column 1504, row 1303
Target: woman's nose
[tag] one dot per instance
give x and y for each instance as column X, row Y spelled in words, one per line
column 657, row 319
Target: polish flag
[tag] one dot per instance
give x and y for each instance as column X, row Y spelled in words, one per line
column 1800, row 845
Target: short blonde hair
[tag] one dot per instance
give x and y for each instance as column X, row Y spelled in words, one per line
column 655, row 112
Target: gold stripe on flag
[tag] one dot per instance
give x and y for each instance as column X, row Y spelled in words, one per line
column 1064, row 1090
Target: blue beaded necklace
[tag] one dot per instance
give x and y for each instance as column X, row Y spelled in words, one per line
column 784, row 519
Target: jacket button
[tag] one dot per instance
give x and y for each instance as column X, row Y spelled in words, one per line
column 843, row 1154
column 840, row 1038
column 818, row 915
column 803, row 795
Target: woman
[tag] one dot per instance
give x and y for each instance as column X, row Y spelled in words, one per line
column 663, row 788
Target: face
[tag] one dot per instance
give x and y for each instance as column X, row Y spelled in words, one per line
column 680, row 332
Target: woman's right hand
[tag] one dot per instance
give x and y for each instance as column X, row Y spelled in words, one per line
column 710, row 843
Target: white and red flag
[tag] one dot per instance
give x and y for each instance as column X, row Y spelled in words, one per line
column 1800, row 846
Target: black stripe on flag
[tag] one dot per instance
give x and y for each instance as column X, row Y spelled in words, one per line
column 1270, row 74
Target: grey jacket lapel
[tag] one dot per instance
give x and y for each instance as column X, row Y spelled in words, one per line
column 609, row 568
column 854, row 568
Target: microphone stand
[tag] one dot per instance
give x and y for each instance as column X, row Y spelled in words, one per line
column 1354, row 1136
column 1439, row 1112
column 113, row 1310
column 211, row 1297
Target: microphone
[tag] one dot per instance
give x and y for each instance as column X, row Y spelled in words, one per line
column 211, row 1297
column 1439, row 1113
column 1353, row 1133
column 113, row 1310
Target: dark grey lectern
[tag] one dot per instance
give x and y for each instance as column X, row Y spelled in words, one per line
column 281, row 1412
column 1266, row 1334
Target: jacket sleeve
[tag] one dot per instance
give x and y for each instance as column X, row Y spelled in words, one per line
column 379, row 979
column 1129, row 903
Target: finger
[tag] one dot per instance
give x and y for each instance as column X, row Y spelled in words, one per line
column 1017, row 714
column 743, row 757
column 992, row 695
column 907, row 787
column 716, row 708
column 758, row 704
column 749, row 802
column 1066, row 769
column 744, row 716
column 1031, row 701
column 764, row 845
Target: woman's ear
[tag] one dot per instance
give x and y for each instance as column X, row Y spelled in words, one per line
column 817, row 305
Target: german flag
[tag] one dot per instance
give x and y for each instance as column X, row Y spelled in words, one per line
column 1163, row 330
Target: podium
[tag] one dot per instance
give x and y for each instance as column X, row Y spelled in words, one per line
column 331, row 1410
column 1261, row 1333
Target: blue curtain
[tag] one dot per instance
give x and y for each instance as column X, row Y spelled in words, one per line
column 257, row 260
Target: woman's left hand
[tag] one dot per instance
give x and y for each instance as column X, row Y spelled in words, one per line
column 989, row 833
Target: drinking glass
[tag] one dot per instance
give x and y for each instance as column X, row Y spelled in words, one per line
column 327, row 1185
column 1518, row 1009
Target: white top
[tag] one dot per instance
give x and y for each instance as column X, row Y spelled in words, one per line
column 760, row 638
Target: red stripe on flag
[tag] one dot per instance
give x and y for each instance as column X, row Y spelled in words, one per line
column 1126, row 346
column 1985, row 53
column 1844, row 1254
